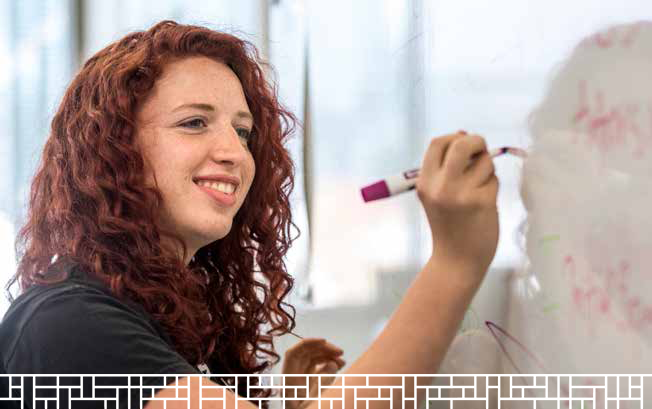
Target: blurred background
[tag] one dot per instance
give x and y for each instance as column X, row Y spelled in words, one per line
column 372, row 80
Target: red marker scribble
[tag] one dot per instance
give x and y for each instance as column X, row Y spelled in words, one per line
column 583, row 105
column 615, row 37
column 644, row 143
column 594, row 295
column 604, row 40
column 608, row 125
column 617, row 278
column 569, row 267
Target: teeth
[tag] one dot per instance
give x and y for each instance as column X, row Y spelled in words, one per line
column 223, row 187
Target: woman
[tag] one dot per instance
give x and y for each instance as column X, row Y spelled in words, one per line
column 164, row 185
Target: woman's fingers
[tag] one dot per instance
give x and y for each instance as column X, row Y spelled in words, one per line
column 304, row 344
column 460, row 201
column 326, row 365
column 329, row 367
column 450, row 161
column 489, row 190
column 302, row 357
column 462, row 154
column 340, row 363
column 434, row 157
column 307, row 348
column 311, row 356
column 482, row 170
column 440, row 146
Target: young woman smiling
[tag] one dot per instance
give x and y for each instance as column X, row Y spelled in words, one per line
column 159, row 218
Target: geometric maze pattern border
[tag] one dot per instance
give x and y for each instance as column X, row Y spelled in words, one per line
column 436, row 391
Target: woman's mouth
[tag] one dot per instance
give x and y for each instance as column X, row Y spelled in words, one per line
column 221, row 192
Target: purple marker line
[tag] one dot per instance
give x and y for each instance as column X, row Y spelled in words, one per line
column 493, row 328
column 407, row 180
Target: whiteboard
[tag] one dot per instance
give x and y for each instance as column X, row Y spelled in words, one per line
column 580, row 302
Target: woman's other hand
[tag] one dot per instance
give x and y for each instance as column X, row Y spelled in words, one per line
column 310, row 356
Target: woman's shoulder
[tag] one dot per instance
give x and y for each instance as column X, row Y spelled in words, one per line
column 78, row 326
column 25, row 306
column 79, row 299
column 79, row 289
column 67, row 299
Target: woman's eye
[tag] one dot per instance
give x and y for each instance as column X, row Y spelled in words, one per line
column 244, row 133
column 195, row 123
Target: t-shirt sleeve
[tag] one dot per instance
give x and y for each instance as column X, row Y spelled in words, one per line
column 83, row 331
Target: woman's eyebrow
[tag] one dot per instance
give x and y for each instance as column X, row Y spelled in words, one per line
column 211, row 108
column 245, row 115
column 203, row 107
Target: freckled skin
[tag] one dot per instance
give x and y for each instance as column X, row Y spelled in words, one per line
column 179, row 144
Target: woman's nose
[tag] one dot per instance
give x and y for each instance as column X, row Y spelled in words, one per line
column 228, row 147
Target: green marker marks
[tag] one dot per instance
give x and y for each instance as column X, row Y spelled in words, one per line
column 546, row 241
column 549, row 239
column 470, row 322
column 550, row 307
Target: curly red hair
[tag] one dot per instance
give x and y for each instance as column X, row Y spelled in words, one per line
column 89, row 203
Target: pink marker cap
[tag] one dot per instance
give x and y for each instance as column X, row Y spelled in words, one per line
column 375, row 191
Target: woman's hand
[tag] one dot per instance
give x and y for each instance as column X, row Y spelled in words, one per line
column 310, row 356
column 457, row 187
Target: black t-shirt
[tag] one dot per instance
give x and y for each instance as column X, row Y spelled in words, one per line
column 78, row 327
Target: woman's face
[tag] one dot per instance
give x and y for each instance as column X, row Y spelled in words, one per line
column 193, row 131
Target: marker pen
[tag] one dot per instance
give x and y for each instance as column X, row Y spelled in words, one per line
column 407, row 180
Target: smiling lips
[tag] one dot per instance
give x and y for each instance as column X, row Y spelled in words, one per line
column 220, row 197
column 219, row 188
column 224, row 187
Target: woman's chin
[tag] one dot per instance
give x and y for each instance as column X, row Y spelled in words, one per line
column 217, row 233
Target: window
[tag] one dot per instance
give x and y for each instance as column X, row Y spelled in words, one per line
column 106, row 21
column 364, row 91
column 36, row 50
